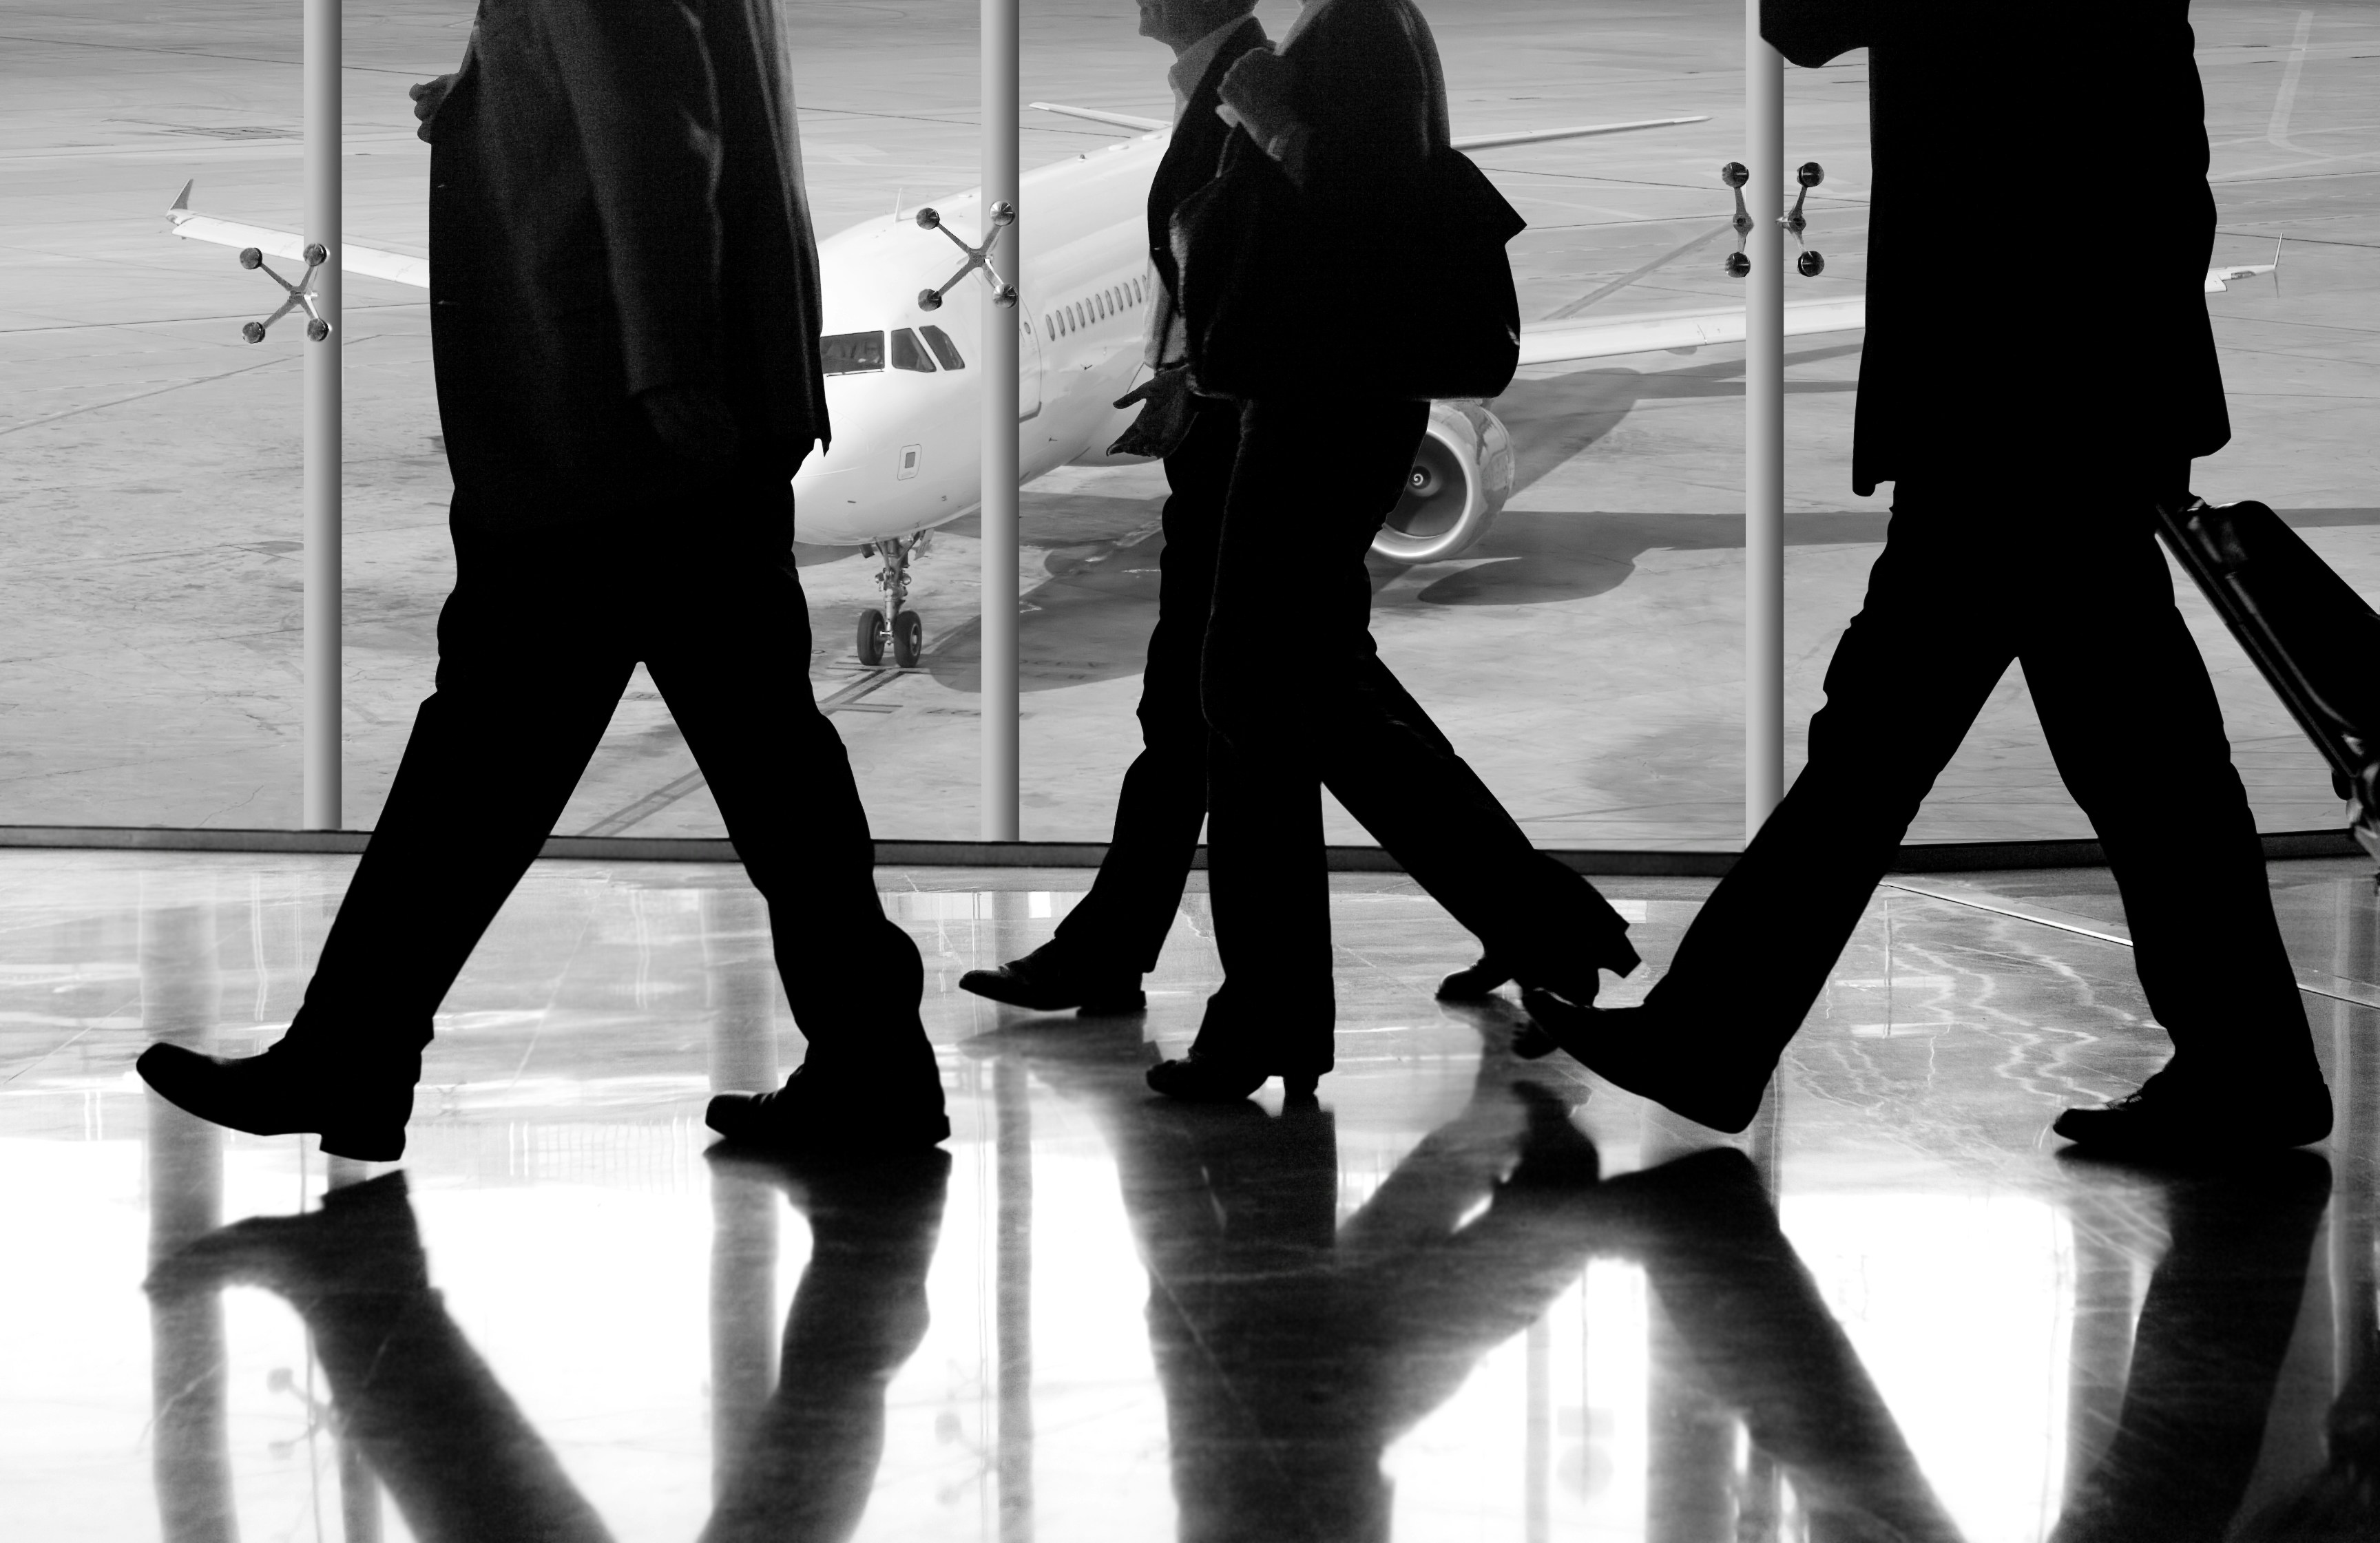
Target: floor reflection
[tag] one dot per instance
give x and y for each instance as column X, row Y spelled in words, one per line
column 1463, row 1298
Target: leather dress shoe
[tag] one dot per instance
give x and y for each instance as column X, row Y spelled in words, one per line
column 850, row 1112
column 1045, row 982
column 1647, row 1051
column 2169, row 1117
column 1576, row 978
column 358, row 1099
column 1195, row 1078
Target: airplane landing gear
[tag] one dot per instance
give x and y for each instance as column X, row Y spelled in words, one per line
column 907, row 631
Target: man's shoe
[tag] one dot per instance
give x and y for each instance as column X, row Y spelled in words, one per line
column 1643, row 1051
column 1208, row 1079
column 841, row 1114
column 1474, row 982
column 1045, row 982
column 358, row 1102
column 2168, row 1118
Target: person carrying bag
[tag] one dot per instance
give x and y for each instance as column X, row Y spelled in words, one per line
column 1404, row 237
column 1345, row 267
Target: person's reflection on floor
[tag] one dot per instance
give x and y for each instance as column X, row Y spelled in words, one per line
column 454, row 1451
column 1760, row 1340
column 809, row 1462
column 2215, row 1326
column 1294, row 1350
column 453, row 1448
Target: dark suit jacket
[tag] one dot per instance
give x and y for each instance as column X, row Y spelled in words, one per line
column 616, row 204
column 2061, row 125
column 1192, row 154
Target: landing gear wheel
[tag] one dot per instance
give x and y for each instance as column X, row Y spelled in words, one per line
column 908, row 639
column 871, row 638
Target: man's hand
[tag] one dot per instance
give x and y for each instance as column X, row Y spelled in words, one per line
column 1256, row 91
column 1164, row 420
column 692, row 422
column 428, row 95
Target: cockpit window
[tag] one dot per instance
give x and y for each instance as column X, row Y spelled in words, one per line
column 909, row 354
column 945, row 349
column 852, row 353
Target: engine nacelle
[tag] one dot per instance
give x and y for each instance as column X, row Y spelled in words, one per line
column 1462, row 475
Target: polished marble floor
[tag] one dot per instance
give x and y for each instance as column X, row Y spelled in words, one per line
column 1465, row 1298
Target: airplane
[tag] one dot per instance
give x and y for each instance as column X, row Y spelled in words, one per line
column 906, row 455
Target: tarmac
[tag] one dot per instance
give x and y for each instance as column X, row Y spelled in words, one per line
column 1586, row 656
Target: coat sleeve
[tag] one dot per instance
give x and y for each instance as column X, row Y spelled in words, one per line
column 642, row 97
column 1810, row 32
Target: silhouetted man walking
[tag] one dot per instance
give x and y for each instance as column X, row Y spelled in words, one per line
column 2022, row 530
column 624, row 310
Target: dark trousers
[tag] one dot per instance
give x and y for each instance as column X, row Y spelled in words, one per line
column 535, row 646
column 1294, row 688
column 1122, row 922
column 2070, row 583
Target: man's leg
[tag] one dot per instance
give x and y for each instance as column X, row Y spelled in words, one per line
column 525, row 684
column 2130, row 715
column 1907, row 679
column 1114, row 935
column 1132, row 903
column 728, row 642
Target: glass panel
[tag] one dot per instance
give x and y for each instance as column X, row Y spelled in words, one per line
column 852, row 353
column 909, row 354
column 1584, row 651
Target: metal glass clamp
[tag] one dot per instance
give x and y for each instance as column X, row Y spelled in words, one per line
column 1734, row 174
column 297, row 296
column 1809, row 265
column 1003, row 293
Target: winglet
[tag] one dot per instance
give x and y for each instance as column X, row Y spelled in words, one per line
column 181, row 204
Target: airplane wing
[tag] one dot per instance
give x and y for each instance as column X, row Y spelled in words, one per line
column 1475, row 141
column 1560, row 342
column 370, row 262
column 1538, row 136
column 1114, row 120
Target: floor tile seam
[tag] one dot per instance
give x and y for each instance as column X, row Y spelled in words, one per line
column 2312, row 982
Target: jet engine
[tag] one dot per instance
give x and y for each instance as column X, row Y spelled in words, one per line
column 1462, row 475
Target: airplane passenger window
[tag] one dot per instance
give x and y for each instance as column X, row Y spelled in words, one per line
column 909, row 354
column 945, row 349
column 852, row 353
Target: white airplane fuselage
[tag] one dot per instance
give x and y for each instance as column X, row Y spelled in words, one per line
column 907, row 450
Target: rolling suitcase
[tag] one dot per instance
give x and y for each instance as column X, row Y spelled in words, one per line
column 2312, row 635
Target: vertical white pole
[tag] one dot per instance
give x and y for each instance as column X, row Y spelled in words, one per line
column 1764, row 430
column 323, row 799
column 1001, row 105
